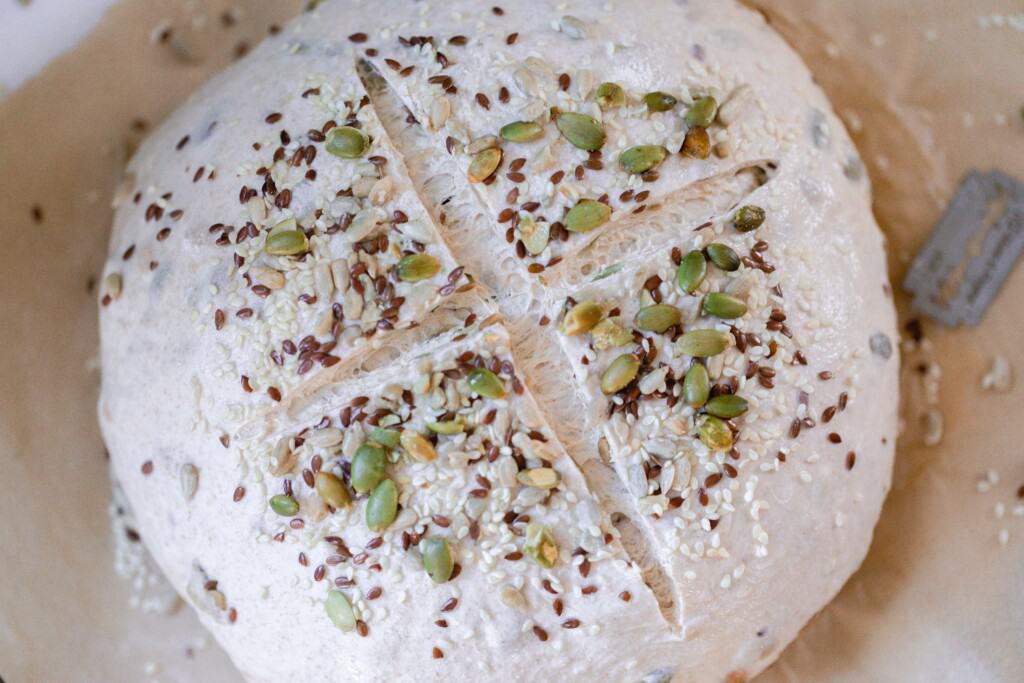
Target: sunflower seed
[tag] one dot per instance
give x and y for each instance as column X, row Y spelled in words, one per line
column 482, row 143
column 325, row 438
column 539, row 478
column 512, row 598
column 440, row 110
column 417, row 446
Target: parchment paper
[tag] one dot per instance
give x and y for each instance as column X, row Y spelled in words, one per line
column 929, row 89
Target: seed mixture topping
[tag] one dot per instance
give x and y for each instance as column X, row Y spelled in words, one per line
column 329, row 246
column 448, row 470
column 687, row 366
column 555, row 150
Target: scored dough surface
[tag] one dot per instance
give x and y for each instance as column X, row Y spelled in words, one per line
column 232, row 375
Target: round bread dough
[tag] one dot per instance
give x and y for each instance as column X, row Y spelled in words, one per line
column 318, row 252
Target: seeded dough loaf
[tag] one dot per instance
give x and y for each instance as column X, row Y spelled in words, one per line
column 337, row 244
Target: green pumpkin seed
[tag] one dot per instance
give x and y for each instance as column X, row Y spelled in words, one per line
column 724, row 306
column 485, row 383
column 701, row 113
column 286, row 239
column 659, row 101
column 347, row 142
column 691, row 271
column 748, row 218
column 534, row 234
column 521, row 131
column 715, row 434
column 608, row 334
column 388, row 438
column 332, row 490
column 581, row 318
column 539, row 478
column 540, row 545
column 726, row 406
column 723, row 257
column 448, row 428
column 369, row 465
column 437, row 558
column 382, row 506
column 696, row 386
column 416, row 267
column 484, row 164
column 703, row 343
column 658, row 318
column 642, row 158
column 587, row 215
column 610, row 96
column 581, row 130
column 620, row 373
column 286, row 506
column 339, row 611
column 417, row 446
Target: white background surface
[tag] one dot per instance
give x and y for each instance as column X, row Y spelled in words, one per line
column 33, row 34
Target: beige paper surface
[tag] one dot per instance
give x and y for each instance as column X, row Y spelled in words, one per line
column 929, row 88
